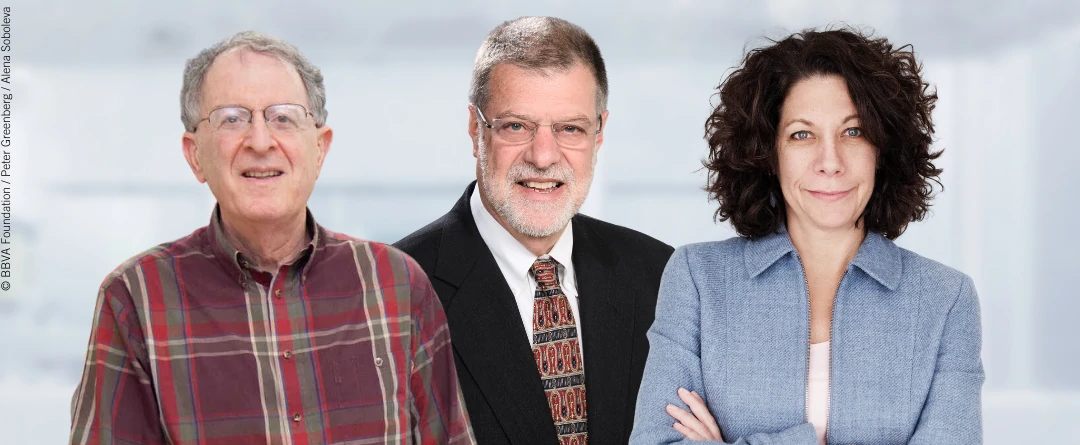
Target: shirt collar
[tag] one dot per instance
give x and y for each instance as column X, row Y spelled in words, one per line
column 562, row 252
column 878, row 257
column 511, row 254
column 234, row 259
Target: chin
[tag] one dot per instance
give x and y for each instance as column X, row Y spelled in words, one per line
column 537, row 230
column 265, row 211
column 834, row 222
column 538, row 223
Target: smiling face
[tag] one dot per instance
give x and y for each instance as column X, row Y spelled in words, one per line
column 826, row 164
column 535, row 188
column 258, row 175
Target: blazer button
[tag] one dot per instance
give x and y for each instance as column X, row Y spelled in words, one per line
column 287, row 355
column 277, row 293
column 297, row 417
column 378, row 361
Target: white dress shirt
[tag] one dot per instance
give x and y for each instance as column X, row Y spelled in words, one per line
column 515, row 260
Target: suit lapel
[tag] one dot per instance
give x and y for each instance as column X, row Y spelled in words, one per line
column 487, row 331
column 607, row 309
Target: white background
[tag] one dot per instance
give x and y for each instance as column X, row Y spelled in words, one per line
column 99, row 174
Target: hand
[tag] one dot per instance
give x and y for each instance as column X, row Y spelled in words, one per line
column 697, row 426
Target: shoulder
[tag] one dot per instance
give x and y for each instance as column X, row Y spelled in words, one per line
column 929, row 269
column 710, row 256
column 715, row 250
column 937, row 284
column 697, row 270
column 424, row 242
column 388, row 266
column 379, row 254
column 641, row 258
column 150, row 260
column 623, row 239
column 703, row 264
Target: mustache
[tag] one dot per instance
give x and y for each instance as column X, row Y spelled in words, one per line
column 559, row 172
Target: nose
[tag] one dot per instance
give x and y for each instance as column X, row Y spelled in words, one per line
column 259, row 139
column 543, row 151
column 829, row 161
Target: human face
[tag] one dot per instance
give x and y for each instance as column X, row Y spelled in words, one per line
column 260, row 175
column 535, row 188
column 826, row 164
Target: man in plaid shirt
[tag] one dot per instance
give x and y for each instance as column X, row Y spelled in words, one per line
column 263, row 327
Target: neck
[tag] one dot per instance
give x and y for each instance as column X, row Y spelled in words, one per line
column 830, row 249
column 271, row 244
column 537, row 246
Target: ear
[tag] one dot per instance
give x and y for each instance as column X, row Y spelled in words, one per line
column 603, row 129
column 191, row 153
column 323, row 139
column 474, row 131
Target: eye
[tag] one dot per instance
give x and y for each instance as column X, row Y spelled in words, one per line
column 853, row 132
column 230, row 118
column 514, row 126
column 572, row 129
column 800, row 135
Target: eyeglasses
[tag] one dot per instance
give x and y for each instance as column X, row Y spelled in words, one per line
column 571, row 135
column 284, row 118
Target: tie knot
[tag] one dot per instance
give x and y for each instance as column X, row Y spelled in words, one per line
column 543, row 269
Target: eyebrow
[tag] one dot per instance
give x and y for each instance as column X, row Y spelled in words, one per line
column 811, row 124
column 228, row 106
column 250, row 109
column 574, row 118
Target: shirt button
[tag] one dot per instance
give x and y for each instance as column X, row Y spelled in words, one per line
column 277, row 293
column 296, row 417
column 378, row 361
column 287, row 355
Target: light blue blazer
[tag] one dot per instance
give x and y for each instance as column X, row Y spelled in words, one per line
column 733, row 324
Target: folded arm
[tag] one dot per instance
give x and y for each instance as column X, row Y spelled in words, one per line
column 675, row 362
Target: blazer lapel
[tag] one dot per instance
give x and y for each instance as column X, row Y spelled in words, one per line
column 607, row 309
column 487, row 332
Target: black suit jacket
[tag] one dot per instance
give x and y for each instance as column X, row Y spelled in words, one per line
column 618, row 274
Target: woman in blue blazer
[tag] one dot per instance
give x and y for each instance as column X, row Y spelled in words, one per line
column 812, row 326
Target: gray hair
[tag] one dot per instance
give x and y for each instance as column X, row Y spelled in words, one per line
column 537, row 44
column 196, row 68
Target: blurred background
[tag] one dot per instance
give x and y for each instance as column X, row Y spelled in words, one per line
column 99, row 175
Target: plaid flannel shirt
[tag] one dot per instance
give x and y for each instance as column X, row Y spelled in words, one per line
column 191, row 345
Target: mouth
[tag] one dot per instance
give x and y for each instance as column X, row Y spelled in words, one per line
column 541, row 185
column 262, row 174
column 830, row 196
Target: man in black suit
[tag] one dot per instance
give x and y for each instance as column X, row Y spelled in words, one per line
column 547, row 308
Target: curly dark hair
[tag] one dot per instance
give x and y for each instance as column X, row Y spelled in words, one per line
column 893, row 104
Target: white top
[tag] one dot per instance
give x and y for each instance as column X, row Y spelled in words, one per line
column 515, row 260
column 817, row 389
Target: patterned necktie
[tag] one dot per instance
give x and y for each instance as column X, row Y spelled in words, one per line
column 558, row 358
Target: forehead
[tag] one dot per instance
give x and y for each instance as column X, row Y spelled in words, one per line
column 542, row 92
column 243, row 77
column 823, row 97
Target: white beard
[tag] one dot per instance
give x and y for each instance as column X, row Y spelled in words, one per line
column 516, row 210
